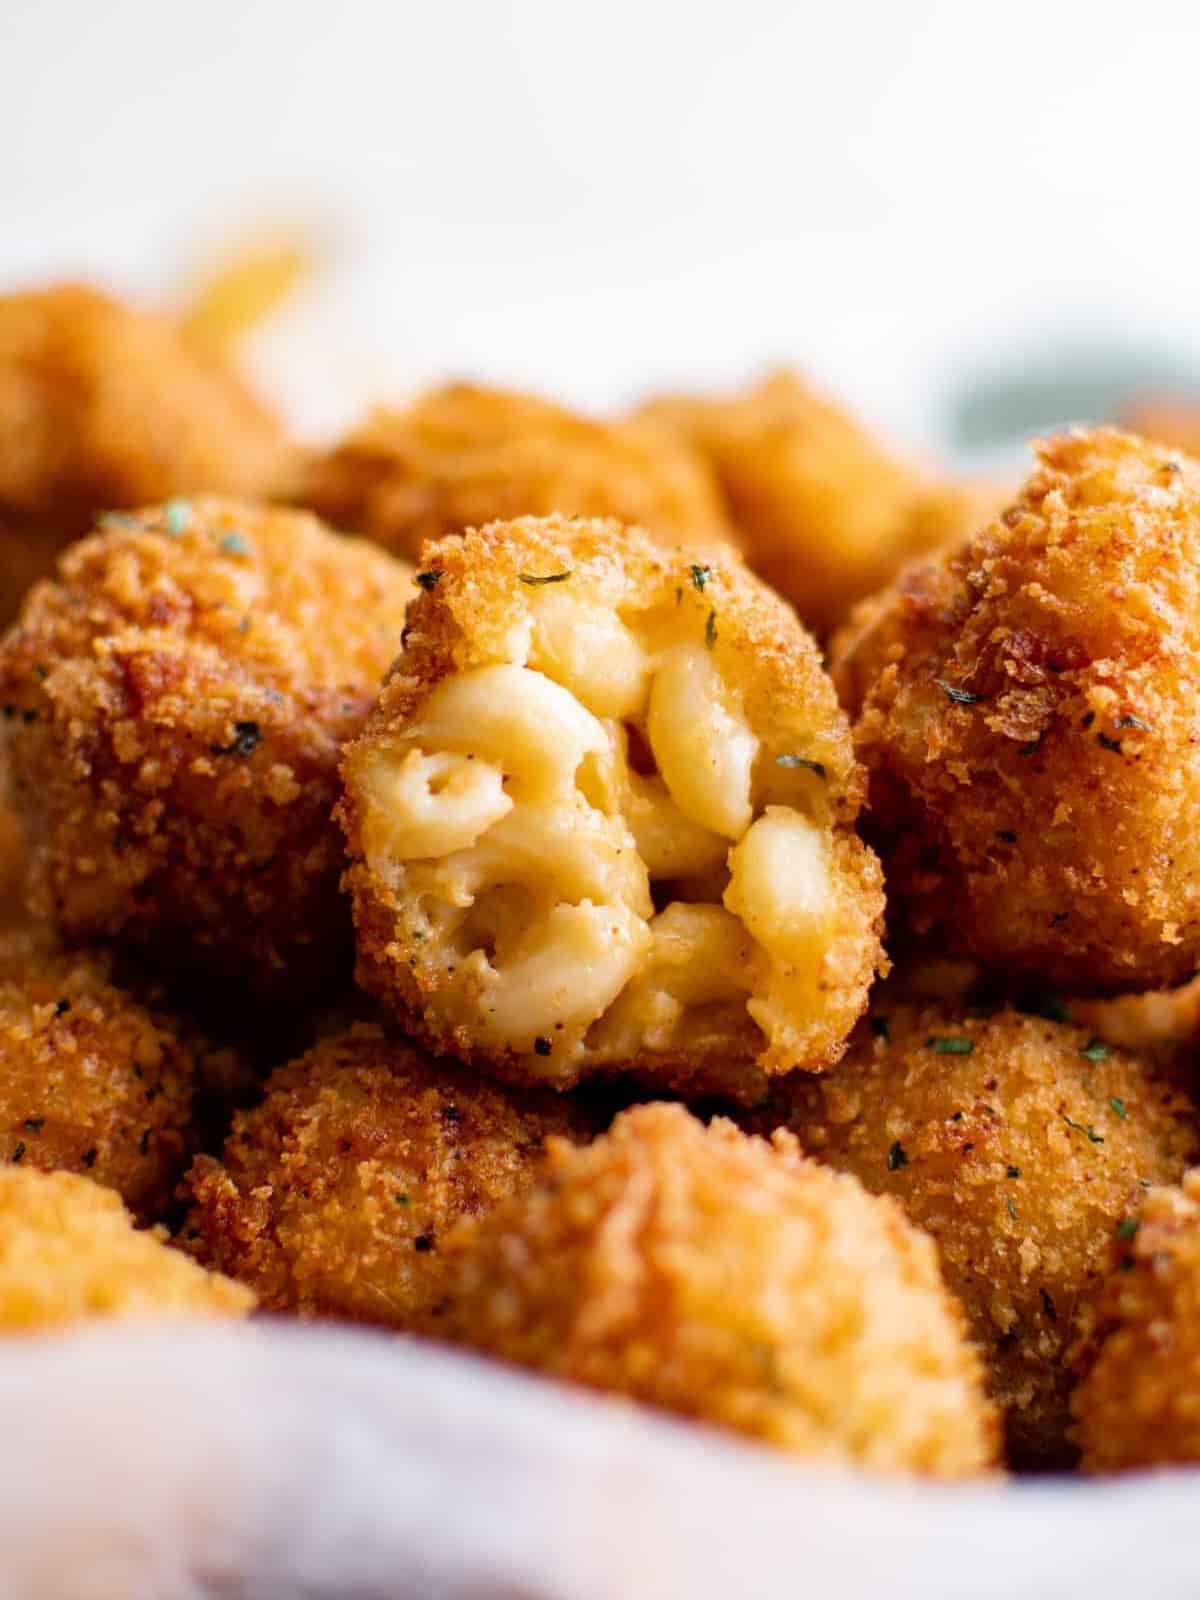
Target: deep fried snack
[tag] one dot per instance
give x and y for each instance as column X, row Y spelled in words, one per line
column 333, row 1195
column 824, row 512
column 733, row 1281
column 91, row 1080
column 1138, row 1401
column 1170, row 419
column 1020, row 1145
column 601, row 818
column 462, row 456
column 1026, row 707
column 175, row 704
column 105, row 406
column 69, row 1253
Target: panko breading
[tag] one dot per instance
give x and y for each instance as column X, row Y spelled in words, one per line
column 602, row 819
column 333, row 1195
column 91, row 1081
column 105, row 406
column 1026, row 707
column 175, row 705
column 69, row 1253
column 733, row 1281
column 1020, row 1145
column 462, row 456
column 824, row 512
column 1138, row 1403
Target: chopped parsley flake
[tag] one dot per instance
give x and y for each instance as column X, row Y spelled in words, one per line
column 430, row 580
column 1118, row 1106
column 401, row 1199
column 1096, row 1138
column 535, row 581
column 700, row 576
column 801, row 761
column 960, row 697
column 1133, row 722
column 950, row 1045
column 247, row 736
column 34, row 1124
column 1096, row 1050
column 710, row 630
column 1127, row 1228
column 1012, row 1210
column 235, row 544
column 19, row 1150
column 896, row 1157
column 1103, row 740
column 177, row 514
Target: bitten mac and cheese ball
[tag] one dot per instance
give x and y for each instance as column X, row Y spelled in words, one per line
column 175, row 703
column 1026, row 706
column 602, row 818
column 824, row 513
column 69, row 1253
column 733, row 1281
column 462, row 456
column 105, row 406
column 1021, row 1146
column 91, row 1081
column 333, row 1195
column 1138, row 1404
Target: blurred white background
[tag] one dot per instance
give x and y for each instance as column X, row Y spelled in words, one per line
column 600, row 198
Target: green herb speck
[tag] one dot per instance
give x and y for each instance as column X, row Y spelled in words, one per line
column 700, row 576
column 177, row 514
column 536, row 580
column 1096, row 1050
column 950, row 1045
column 430, row 580
column 235, row 544
column 1096, row 1138
column 960, row 697
column 801, row 761
column 1127, row 1228
column 1118, row 1106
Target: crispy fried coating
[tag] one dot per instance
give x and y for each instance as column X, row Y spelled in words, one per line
column 462, row 456
column 825, row 513
column 733, row 1281
column 69, row 1253
column 1138, row 1401
column 1020, row 1145
column 91, row 1080
column 103, row 405
column 333, row 1194
column 601, row 819
column 175, row 703
column 1026, row 706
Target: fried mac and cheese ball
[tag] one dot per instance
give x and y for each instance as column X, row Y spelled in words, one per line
column 461, row 456
column 175, row 703
column 102, row 406
column 823, row 511
column 1170, row 419
column 729, row 1279
column 333, row 1194
column 1020, row 1145
column 91, row 1080
column 69, row 1253
column 602, row 818
column 1138, row 1402
column 1026, row 706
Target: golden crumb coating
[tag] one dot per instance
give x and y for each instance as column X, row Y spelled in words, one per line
column 1026, row 706
column 1138, row 1400
column 733, row 1281
column 69, row 1253
column 333, row 1195
column 824, row 512
column 461, row 456
column 104, row 406
column 1020, row 1145
column 602, row 818
column 91, row 1081
column 175, row 703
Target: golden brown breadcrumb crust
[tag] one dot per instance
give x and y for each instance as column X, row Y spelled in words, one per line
column 462, row 455
column 69, row 1253
column 104, row 406
column 1020, row 1145
column 1138, row 1402
column 1026, row 707
column 333, row 1195
column 174, row 706
column 91, row 1081
column 476, row 606
column 730, row 1280
column 825, row 513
